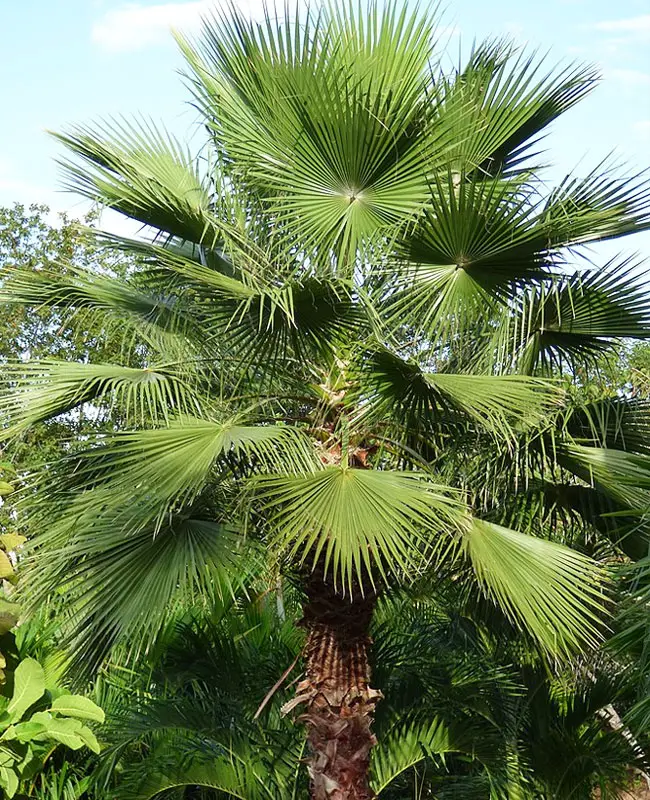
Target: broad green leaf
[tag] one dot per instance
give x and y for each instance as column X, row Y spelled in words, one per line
column 89, row 739
column 11, row 541
column 145, row 173
column 9, row 615
column 24, row 731
column 326, row 124
column 44, row 389
column 389, row 386
column 9, row 781
column 29, row 686
column 72, row 705
column 5, row 488
column 66, row 731
column 6, row 567
column 144, row 474
column 407, row 745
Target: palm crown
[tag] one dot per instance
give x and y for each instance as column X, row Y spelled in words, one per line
column 351, row 348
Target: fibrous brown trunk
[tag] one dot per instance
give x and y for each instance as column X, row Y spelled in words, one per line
column 338, row 700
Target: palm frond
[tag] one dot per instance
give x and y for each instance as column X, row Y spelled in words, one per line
column 121, row 588
column 322, row 113
column 552, row 591
column 623, row 476
column 141, row 475
column 360, row 520
column 124, row 309
column 473, row 245
column 618, row 423
column 239, row 772
column 573, row 319
column 409, row 744
column 142, row 172
column 267, row 318
column 390, row 386
column 602, row 205
column 512, row 103
column 41, row 390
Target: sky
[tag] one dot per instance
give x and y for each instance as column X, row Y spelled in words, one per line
column 76, row 61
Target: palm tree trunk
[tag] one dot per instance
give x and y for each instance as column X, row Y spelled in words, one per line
column 339, row 703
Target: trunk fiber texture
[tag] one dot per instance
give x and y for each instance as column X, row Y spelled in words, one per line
column 336, row 695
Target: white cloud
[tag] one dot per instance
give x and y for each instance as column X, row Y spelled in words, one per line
column 635, row 26
column 134, row 26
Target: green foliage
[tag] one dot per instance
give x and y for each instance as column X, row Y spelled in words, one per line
column 34, row 722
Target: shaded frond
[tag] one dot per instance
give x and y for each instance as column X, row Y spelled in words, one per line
column 574, row 319
column 409, row 744
column 389, row 386
column 125, row 309
column 600, row 206
column 123, row 587
column 139, row 476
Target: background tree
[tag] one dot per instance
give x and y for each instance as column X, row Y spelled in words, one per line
column 336, row 357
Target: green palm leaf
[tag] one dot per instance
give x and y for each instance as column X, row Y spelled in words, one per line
column 241, row 772
column 360, row 520
column 624, row 476
column 125, row 310
column 323, row 117
column 389, row 386
column 600, row 206
column 122, row 588
column 554, row 592
column 144, row 173
column 580, row 316
column 138, row 477
column 410, row 744
column 512, row 102
column 44, row 389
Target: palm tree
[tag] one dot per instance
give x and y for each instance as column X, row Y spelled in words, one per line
column 352, row 307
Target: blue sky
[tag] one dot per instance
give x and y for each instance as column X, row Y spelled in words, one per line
column 68, row 61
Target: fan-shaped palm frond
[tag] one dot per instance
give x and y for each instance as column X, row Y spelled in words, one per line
column 419, row 400
column 577, row 317
column 601, row 205
column 44, row 389
column 360, row 520
column 144, row 172
column 512, row 102
column 122, row 588
column 142, row 475
column 339, row 113
column 552, row 590
column 408, row 745
column 125, row 310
